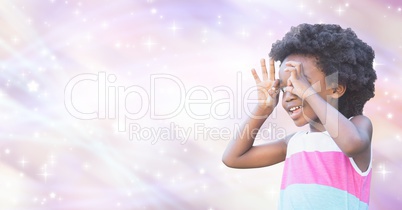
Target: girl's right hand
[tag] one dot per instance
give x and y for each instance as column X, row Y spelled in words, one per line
column 268, row 88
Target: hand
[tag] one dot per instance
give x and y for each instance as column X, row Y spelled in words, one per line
column 268, row 88
column 297, row 83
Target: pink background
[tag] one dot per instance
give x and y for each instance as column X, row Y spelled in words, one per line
column 52, row 159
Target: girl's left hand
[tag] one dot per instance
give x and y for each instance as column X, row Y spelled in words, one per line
column 297, row 82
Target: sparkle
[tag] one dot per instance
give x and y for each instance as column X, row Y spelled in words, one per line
column 33, row 86
column 270, row 33
column 383, row 171
column 23, row 162
column 174, row 28
column 244, row 33
column 340, row 10
column 126, row 37
column 117, row 45
column 202, row 171
column 149, row 43
column 51, row 159
column 85, row 166
column 36, row 135
column 45, row 173
column 52, row 195
column 375, row 64
column 104, row 25
column 204, row 187
column 15, row 40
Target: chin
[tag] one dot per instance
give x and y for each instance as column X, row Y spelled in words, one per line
column 300, row 123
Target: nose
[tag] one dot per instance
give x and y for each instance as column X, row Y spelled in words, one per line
column 288, row 96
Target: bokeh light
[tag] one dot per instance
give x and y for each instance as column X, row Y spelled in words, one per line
column 144, row 60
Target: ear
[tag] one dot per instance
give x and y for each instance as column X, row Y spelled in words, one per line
column 338, row 91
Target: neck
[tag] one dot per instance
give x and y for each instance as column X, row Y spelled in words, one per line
column 316, row 127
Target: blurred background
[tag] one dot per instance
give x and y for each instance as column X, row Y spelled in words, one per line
column 130, row 104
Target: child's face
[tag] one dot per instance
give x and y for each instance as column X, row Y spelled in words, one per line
column 303, row 114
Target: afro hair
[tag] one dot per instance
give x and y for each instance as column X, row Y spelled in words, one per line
column 338, row 51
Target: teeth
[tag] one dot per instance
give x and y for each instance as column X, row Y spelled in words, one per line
column 294, row 108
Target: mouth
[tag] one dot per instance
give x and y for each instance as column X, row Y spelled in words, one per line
column 295, row 111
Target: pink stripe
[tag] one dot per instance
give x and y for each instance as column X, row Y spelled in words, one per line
column 326, row 168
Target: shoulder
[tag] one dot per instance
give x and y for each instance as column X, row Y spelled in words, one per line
column 360, row 118
column 285, row 141
column 362, row 123
column 293, row 135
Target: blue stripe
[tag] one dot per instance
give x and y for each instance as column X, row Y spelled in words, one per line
column 313, row 196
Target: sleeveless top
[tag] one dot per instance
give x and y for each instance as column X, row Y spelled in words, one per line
column 318, row 175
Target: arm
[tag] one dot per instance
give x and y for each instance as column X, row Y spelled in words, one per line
column 240, row 152
column 353, row 136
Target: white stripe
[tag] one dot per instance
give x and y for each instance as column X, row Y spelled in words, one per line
column 357, row 169
column 311, row 142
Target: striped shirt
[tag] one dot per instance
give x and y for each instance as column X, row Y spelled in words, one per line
column 318, row 175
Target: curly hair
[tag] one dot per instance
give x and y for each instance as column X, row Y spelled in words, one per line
column 337, row 51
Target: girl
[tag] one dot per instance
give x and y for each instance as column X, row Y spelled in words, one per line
column 326, row 76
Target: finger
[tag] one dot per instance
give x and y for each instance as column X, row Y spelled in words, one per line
column 255, row 75
column 290, row 82
column 288, row 89
column 264, row 69
column 293, row 72
column 296, row 65
column 274, row 90
column 276, row 84
column 271, row 69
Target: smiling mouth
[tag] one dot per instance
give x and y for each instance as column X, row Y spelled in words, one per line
column 295, row 112
column 295, row 108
